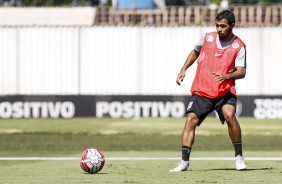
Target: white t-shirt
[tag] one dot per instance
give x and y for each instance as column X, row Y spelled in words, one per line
column 240, row 58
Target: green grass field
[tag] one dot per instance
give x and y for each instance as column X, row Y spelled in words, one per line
column 127, row 138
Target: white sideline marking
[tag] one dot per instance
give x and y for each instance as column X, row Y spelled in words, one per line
column 140, row 158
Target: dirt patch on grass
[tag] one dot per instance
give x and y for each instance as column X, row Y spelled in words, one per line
column 198, row 132
column 109, row 132
column 172, row 133
column 10, row 131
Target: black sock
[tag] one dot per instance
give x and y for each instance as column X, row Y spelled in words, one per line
column 238, row 148
column 186, row 153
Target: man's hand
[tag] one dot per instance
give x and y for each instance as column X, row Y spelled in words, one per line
column 180, row 77
column 220, row 77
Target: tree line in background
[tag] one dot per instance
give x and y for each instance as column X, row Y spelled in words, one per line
column 50, row 3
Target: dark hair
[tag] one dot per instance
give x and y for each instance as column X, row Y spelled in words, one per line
column 227, row 14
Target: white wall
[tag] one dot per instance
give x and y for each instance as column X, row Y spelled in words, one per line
column 109, row 60
column 47, row 16
column 8, row 61
column 48, row 61
column 123, row 60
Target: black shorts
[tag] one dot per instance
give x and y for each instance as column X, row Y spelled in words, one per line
column 203, row 106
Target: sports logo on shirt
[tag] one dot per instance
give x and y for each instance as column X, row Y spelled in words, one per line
column 235, row 45
column 217, row 55
column 210, row 38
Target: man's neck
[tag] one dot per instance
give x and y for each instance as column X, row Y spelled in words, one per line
column 226, row 39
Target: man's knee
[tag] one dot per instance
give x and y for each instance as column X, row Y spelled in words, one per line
column 231, row 119
column 229, row 116
column 192, row 119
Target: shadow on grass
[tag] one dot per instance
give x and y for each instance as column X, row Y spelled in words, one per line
column 250, row 169
column 102, row 173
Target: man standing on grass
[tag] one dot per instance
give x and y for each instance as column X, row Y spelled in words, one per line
column 221, row 59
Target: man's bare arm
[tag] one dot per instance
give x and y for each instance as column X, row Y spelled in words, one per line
column 238, row 73
column 192, row 57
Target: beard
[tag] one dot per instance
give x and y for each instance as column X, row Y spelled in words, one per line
column 225, row 35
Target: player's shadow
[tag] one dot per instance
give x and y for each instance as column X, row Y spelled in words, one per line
column 248, row 169
column 102, row 173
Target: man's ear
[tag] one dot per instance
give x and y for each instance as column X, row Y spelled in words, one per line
column 232, row 25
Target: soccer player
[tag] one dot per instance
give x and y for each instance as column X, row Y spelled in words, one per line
column 221, row 59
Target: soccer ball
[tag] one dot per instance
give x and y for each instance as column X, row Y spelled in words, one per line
column 92, row 160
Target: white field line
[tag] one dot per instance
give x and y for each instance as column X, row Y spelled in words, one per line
column 141, row 158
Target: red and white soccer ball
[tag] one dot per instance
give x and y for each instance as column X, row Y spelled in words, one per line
column 92, row 160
